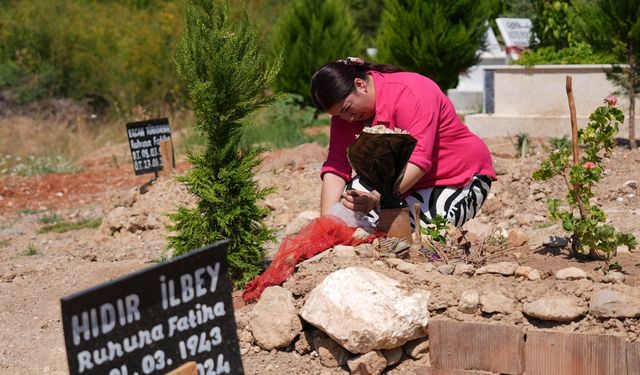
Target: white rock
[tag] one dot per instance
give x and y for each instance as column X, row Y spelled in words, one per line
column 611, row 304
column 517, row 237
column 502, row 268
column 475, row 227
column 274, row 320
column 469, row 301
column 570, row 273
column 392, row 356
column 522, row 271
column 344, row 251
column 364, row 310
column 446, row 269
column 614, row 277
column 555, row 308
column 329, row 352
column 463, row 269
column 417, row 348
column 407, row 267
column 494, row 302
column 301, row 221
column 631, row 183
column 360, row 234
column 372, row 363
column 533, row 275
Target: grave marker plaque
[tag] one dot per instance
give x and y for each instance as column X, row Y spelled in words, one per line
column 156, row 319
column 516, row 33
column 144, row 143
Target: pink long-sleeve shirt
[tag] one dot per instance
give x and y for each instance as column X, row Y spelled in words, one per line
column 447, row 151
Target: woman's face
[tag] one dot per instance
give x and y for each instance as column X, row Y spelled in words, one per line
column 360, row 105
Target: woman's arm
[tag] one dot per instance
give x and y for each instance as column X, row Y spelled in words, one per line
column 332, row 188
column 412, row 174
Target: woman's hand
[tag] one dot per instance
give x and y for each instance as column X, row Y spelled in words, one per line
column 361, row 201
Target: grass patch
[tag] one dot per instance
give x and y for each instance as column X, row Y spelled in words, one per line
column 66, row 226
column 11, row 165
column 50, row 219
column 30, row 251
column 4, row 243
column 29, row 211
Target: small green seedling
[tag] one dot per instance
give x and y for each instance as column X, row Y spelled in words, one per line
column 437, row 229
column 30, row 251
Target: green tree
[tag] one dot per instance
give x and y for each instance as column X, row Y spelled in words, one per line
column 366, row 14
column 312, row 33
column 614, row 25
column 438, row 38
column 551, row 26
column 225, row 71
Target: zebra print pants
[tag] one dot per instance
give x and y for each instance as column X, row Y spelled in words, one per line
column 456, row 205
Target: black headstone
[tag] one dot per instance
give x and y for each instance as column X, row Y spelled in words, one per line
column 144, row 142
column 156, row 319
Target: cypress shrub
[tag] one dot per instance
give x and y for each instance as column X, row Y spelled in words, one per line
column 613, row 26
column 312, row 33
column 225, row 72
column 437, row 38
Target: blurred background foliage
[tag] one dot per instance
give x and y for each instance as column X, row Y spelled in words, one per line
column 112, row 56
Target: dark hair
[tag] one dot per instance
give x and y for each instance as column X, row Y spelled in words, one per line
column 335, row 81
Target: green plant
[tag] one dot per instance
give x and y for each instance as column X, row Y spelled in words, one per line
column 4, row 243
column 51, row 218
column 590, row 235
column 613, row 26
column 436, row 229
column 312, row 33
column 366, row 14
column 30, row 251
column 62, row 226
column 91, row 51
column 550, row 26
column 29, row 211
column 282, row 125
column 438, row 38
column 523, row 145
column 558, row 143
column 226, row 71
column 577, row 53
column 32, row 166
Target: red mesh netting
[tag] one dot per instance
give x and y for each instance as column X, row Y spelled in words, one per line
column 321, row 234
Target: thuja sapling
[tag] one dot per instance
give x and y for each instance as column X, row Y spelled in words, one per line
column 585, row 220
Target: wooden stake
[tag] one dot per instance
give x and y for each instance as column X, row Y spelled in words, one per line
column 166, row 152
column 574, row 141
column 574, row 122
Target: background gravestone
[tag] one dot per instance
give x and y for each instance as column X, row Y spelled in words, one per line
column 516, row 34
column 144, row 143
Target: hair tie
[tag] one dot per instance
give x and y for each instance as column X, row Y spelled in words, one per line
column 352, row 61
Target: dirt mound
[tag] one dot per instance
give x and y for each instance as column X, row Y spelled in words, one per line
column 61, row 263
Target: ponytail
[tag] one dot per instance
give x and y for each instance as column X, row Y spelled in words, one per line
column 335, row 81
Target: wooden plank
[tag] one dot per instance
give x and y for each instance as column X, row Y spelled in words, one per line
column 435, row 371
column 574, row 354
column 633, row 358
column 166, row 153
column 188, row 368
column 476, row 346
